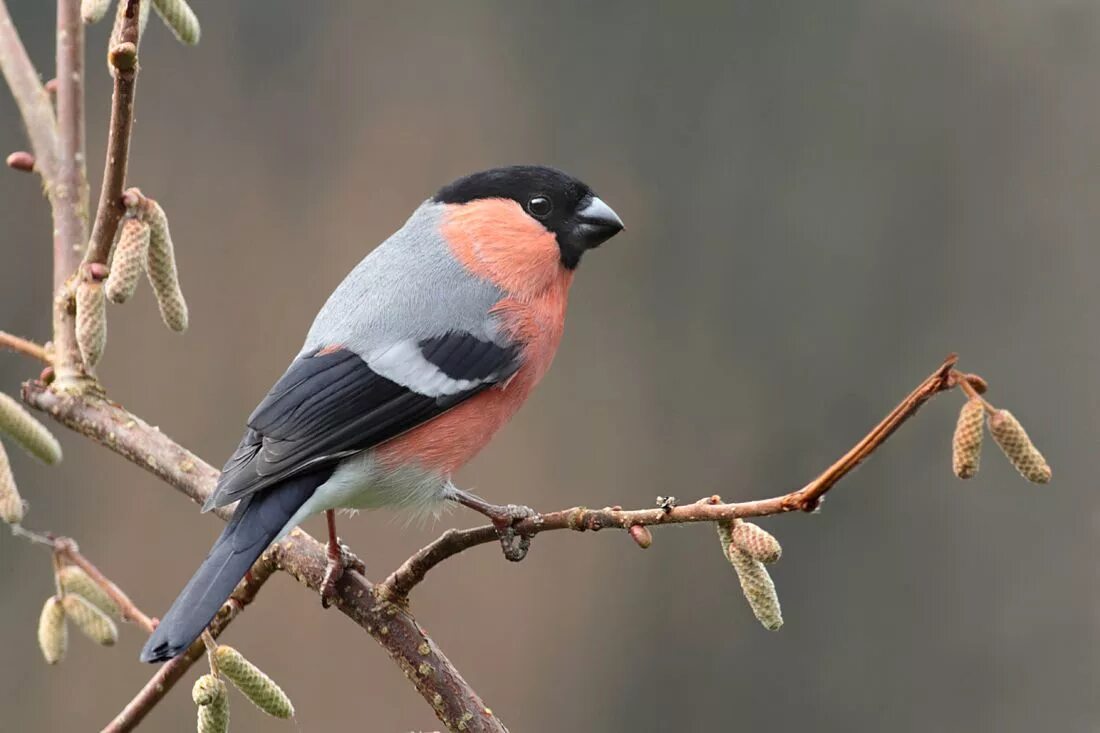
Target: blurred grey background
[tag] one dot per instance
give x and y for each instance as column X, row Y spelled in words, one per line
column 822, row 200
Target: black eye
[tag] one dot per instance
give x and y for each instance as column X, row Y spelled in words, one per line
column 540, row 207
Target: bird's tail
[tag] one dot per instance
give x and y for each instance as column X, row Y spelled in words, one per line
column 257, row 521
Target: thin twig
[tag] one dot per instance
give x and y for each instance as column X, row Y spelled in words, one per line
column 24, row 346
column 123, row 59
column 30, row 96
column 412, row 571
column 171, row 672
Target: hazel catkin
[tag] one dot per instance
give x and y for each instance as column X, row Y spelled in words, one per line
column 12, row 507
column 29, row 433
column 161, row 269
column 73, row 579
column 128, row 261
column 94, row 623
column 966, row 444
column 180, row 19
column 91, row 321
column 253, row 683
column 1010, row 435
column 53, row 637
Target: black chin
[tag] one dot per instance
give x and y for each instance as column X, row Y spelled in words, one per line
column 582, row 237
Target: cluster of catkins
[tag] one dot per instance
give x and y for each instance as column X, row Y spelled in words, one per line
column 144, row 245
column 176, row 14
column 212, row 696
column 18, row 425
column 748, row 547
column 1007, row 432
column 81, row 600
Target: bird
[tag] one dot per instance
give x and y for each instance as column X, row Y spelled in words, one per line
column 424, row 351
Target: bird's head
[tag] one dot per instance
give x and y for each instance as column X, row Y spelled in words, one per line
column 559, row 203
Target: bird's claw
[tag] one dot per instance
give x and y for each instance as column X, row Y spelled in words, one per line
column 514, row 544
column 339, row 561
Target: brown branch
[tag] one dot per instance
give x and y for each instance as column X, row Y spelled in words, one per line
column 30, row 96
column 436, row 679
column 69, row 187
column 711, row 509
column 122, row 57
column 171, row 672
column 24, row 346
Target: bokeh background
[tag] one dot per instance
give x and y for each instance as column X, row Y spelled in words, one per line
column 822, row 200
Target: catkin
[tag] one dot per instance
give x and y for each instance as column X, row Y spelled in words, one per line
column 128, row 261
column 180, row 19
column 161, row 269
column 53, row 637
column 210, row 695
column 755, row 540
column 966, row 445
column 1017, row 446
column 91, row 321
column 74, row 580
column 12, row 507
column 92, row 11
column 95, row 624
column 253, row 683
column 756, row 583
column 24, row 429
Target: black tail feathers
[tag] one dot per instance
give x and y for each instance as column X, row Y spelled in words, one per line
column 257, row 520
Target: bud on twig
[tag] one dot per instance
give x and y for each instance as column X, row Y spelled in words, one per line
column 129, row 260
column 123, row 56
column 161, row 269
column 756, row 583
column 1017, row 446
column 641, row 534
column 253, row 683
column 12, row 507
column 21, row 160
column 73, row 579
column 53, row 637
column 180, row 18
column 210, row 695
column 966, row 446
column 95, row 624
column 92, row 11
column 91, row 321
column 23, row 428
column 756, row 541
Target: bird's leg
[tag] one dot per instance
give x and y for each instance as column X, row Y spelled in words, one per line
column 504, row 518
column 340, row 558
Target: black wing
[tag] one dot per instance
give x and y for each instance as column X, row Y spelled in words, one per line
column 331, row 404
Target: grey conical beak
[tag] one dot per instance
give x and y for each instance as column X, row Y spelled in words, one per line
column 596, row 223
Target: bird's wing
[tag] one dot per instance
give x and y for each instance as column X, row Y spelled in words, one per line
column 332, row 403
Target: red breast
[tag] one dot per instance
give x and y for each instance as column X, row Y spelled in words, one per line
column 496, row 240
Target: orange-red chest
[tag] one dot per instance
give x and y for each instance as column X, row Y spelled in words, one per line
column 496, row 240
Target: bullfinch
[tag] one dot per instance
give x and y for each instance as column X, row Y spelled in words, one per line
column 421, row 354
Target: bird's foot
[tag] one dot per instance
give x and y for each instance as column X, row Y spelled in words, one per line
column 340, row 559
column 504, row 518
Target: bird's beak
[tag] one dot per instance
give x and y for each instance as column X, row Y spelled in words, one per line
column 596, row 223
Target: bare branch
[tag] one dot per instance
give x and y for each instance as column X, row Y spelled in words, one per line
column 711, row 509
column 171, row 672
column 30, row 96
column 122, row 57
column 24, row 346
column 70, row 186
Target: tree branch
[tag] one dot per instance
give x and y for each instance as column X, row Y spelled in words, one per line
column 122, row 57
column 391, row 625
column 24, row 346
column 30, row 96
column 171, row 672
column 711, row 509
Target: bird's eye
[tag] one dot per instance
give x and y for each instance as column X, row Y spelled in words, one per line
column 540, row 207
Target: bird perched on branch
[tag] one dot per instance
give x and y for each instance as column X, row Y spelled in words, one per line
column 421, row 354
